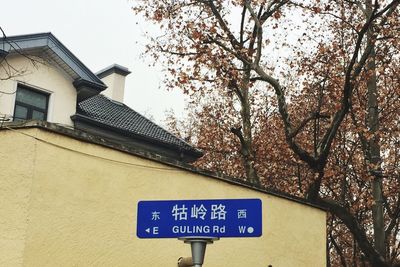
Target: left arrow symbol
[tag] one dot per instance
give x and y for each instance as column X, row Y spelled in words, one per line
column 148, row 230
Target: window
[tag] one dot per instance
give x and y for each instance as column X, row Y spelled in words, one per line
column 30, row 104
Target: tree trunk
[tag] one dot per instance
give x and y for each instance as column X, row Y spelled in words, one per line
column 375, row 161
column 244, row 132
column 373, row 153
column 247, row 147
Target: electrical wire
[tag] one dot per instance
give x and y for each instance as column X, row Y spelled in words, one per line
column 7, row 93
column 91, row 155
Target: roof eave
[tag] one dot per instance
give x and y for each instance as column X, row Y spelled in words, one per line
column 40, row 41
column 115, row 68
column 194, row 153
column 87, row 89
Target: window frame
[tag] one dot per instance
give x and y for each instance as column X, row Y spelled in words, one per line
column 31, row 108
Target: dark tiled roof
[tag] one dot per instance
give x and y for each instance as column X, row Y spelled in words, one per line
column 116, row 115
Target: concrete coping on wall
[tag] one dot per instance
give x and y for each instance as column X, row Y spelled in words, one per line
column 90, row 138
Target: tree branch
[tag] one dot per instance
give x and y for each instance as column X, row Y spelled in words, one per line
column 282, row 107
column 352, row 72
column 358, row 232
column 222, row 23
column 312, row 116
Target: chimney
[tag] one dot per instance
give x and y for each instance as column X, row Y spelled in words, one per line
column 114, row 77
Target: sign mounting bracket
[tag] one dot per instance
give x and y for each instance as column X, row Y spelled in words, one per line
column 198, row 246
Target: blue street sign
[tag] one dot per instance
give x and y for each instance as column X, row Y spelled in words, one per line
column 211, row 218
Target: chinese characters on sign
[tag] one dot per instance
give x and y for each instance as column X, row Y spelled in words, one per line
column 218, row 212
column 155, row 215
column 199, row 212
column 241, row 214
column 216, row 218
column 179, row 213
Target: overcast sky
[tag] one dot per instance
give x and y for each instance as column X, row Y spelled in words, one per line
column 99, row 33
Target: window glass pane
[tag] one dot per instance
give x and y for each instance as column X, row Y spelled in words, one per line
column 37, row 115
column 31, row 98
column 20, row 112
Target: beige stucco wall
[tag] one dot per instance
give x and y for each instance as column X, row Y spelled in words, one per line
column 70, row 203
column 44, row 77
column 115, row 87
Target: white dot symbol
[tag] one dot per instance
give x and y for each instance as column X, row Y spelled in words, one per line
column 250, row 230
